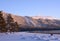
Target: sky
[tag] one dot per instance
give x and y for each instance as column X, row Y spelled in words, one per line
column 31, row 7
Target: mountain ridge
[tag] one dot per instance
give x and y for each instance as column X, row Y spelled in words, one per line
column 31, row 23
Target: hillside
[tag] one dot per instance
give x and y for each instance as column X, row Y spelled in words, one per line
column 30, row 23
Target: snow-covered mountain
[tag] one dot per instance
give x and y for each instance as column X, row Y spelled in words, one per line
column 44, row 17
column 35, row 21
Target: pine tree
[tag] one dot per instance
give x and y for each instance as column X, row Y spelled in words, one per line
column 2, row 23
column 16, row 27
column 9, row 23
column 12, row 26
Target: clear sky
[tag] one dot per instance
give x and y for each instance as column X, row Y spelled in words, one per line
column 31, row 7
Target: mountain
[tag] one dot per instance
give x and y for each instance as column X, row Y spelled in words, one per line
column 34, row 22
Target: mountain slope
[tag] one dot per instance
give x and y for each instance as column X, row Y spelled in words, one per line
column 35, row 22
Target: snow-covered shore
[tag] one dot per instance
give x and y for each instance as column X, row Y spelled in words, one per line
column 24, row 36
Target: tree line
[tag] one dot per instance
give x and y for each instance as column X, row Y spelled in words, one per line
column 9, row 26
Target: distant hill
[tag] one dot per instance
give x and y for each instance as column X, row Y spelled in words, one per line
column 33, row 23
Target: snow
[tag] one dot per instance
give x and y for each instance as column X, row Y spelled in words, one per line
column 45, row 17
column 29, row 21
column 24, row 36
